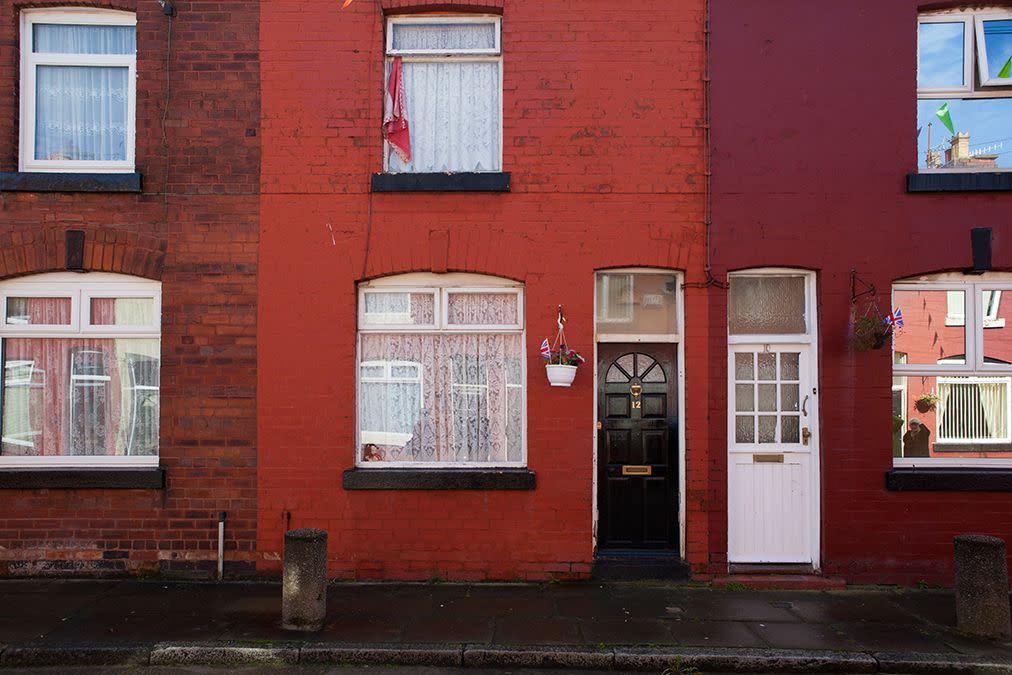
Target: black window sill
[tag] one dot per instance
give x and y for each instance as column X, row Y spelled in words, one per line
column 949, row 480
column 441, row 182
column 24, row 181
column 149, row 478
column 439, row 479
column 959, row 182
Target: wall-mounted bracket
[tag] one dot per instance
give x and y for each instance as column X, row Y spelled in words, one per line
column 855, row 283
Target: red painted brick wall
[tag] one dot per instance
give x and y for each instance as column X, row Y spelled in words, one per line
column 815, row 132
column 603, row 137
column 194, row 227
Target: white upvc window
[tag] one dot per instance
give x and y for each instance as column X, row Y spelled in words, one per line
column 953, row 366
column 441, row 372
column 452, row 75
column 81, row 359
column 78, row 90
column 964, row 81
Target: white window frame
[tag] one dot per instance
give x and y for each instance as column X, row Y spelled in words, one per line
column 384, row 437
column 807, row 337
column 30, row 61
column 441, row 285
column 974, row 64
column 392, row 325
column 80, row 289
column 439, row 55
column 605, row 310
column 604, row 336
column 470, row 328
column 974, row 364
column 967, row 86
column 985, row 76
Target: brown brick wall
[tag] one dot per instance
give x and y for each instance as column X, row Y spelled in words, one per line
column 194, row 227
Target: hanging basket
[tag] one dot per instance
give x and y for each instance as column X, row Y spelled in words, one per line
column 560, row 376
column 870, row 333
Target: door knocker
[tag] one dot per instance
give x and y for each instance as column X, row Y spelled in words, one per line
column 635, row 391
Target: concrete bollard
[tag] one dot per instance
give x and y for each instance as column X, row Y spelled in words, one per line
column 982, row 602
column 304, row 589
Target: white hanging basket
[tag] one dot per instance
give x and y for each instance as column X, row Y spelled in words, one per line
column 560, row 376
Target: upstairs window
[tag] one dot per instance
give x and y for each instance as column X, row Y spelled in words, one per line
column 952, row 371
column 964, row 90
column 441, row 372
column 78, row 90
column 452, row 81
column 81, row 357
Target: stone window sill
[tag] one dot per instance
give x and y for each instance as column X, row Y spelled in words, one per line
column 25, row 181
column 949, row 480
column 441, row 182
column 960, row 182
column 439, row 479
column 147, row 478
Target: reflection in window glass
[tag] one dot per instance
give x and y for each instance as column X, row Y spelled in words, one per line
column 997, row 334
column 122, row 311
column 637, row 304
column 399, row 308
column 80, row 397
column 940, row 53
column 38, row 311
column 934, row 330
column 952, row 417
column 998, row 48
column 981, row 136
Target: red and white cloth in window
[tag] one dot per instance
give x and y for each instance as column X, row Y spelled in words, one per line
column 395, row 120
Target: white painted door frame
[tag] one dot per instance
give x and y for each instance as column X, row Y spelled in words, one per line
column 807, row 343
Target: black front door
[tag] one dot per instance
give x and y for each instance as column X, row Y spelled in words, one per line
column 637, row 442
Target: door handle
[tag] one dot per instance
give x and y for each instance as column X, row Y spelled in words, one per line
column 805, row 435
column 804, row 407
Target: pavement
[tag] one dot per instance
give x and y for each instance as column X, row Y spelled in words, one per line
column 443, row 627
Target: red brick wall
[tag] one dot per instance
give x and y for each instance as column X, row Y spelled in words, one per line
column 815, row 132
column 603, row 106
column 194, row 227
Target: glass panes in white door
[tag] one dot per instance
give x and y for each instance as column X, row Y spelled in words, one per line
column 767, row 393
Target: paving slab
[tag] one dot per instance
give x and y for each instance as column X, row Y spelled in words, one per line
column 523, row 631
column 801, row 636
column 714, row 634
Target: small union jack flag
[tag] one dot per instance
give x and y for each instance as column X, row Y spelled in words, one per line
column 895, row 319
column 546, row 349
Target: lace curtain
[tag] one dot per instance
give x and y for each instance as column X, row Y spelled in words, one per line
column 454, row 106
column 482, row 309
column 81, row 111
column 442, row 397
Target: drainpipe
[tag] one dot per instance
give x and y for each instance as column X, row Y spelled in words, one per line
column 221, row 545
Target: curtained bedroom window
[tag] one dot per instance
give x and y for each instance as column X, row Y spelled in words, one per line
column 452, row 70
column 441, row 371
column 78, row 89
column 81, row 358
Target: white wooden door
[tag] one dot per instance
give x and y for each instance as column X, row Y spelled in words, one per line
column 772, row 443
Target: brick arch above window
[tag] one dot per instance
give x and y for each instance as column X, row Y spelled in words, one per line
column 105, row 250
column 408, row 6
column 120, row 5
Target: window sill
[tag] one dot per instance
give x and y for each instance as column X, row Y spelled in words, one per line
column 959, row 182
column 441, row 182
column 949, row 480
column 439, row 479
column 148, row 478
column 38, row 181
